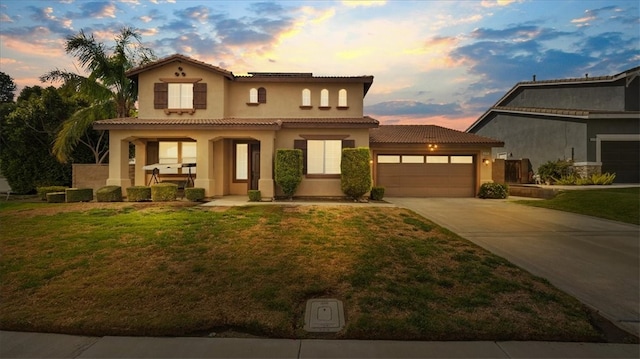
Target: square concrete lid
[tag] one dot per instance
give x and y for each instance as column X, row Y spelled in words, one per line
column 324, row 315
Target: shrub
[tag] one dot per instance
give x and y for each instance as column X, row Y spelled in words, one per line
column 42, row 191
column 79, row 194
column 355, row 169
column 194, row 194
column 164, row 192
column 603, row 179
column 254, row 195
column 55, row 197
column 138, row 193
column 377, row 193
column 551, row 171
column 288, row 170
column 109, row 194
column 493, row 190
column 571, row 179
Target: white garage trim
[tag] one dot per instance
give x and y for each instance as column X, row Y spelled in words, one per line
column 612, row 138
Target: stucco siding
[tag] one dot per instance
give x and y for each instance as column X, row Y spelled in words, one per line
column 538, row 139
column 592, row 97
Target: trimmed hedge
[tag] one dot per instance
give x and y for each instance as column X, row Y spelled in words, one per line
column 493, row 190
column 164, row 192
column 377, row 193
column 55, row 197
column 79, row 194
column 138, row 194
column 288, row 170
column 109, row 194
column 254, row 195
column 42, row 191
column 194, row 194
column 355, row 172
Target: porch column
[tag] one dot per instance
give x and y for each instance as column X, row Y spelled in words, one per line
column 118, row 161
column 266, row 183
column 141, row 159
column 204, row 167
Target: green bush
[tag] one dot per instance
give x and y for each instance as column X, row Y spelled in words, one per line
column 79, row 194
column 552, row 171
column 164, row 192
column 377, row 193
column 355, row 172
column 42, row 191
column 194, row 194
column 109, row 194
column 493, row 190
column 55, row 197
column 254, row 195
column 138, row 193
column 288, row 170
column 603, row 179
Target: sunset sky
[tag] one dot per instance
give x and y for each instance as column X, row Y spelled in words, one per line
column 434, row 62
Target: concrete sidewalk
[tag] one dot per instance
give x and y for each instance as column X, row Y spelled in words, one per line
column 39, row 345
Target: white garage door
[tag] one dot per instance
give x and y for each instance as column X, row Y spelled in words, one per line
column 426, row 175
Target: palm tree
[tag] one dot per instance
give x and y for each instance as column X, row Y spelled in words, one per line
column 108, row 91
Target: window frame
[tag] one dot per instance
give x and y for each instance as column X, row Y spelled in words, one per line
column 342, row 99
column 324, row 99
column 236, row 179
column 306, row 99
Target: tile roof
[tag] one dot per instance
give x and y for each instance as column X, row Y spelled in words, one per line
column 177, row 57
column 265, row 123
column 426, row 134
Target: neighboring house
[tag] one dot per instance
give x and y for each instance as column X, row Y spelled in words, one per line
column 592, row 121
column 430, row 161
column 224, row 129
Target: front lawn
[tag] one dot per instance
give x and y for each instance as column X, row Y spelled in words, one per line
column 618, row 204
column 175, row 269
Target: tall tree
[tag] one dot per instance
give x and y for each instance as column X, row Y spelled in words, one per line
column 7, row 87
column 108, row 92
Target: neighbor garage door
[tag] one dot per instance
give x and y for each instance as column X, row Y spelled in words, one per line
column 623, row 159
column 426, row 176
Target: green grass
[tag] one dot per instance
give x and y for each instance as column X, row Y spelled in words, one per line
column 174, row 269
column 618, row 204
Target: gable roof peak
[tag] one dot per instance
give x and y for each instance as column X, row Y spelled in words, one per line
column 177, row 58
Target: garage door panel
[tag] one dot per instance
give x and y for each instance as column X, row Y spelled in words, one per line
column 623, row 159
column 427, row 179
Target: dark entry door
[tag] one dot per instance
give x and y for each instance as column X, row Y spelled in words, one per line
column 254, row 165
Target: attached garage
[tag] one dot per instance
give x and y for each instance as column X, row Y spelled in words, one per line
column 429, row 161
column 427, row 175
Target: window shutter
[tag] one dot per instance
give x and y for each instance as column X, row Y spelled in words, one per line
column 348, row 143
column 153, row 150
column 262, row 95
column 302, row 145
column 199, row 95
column 160, row 95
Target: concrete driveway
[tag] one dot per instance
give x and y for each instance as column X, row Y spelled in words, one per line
column 594, row 260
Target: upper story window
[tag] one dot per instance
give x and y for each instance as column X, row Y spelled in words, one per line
column 342, row 98
column 324, row 98
column 180, row 97
column 257, row 96
column 306, row 98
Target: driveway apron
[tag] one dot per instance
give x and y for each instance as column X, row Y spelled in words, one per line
column 595, row 260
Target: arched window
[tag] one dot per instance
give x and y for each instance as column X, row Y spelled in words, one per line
column 306, row 97
column 262, row 95
column 324, row 98
column 253, row 96
column 342, row 98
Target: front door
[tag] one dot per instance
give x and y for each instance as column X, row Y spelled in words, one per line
column 254, row 165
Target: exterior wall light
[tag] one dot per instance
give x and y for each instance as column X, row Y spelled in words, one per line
column 432, row 147
column 486, row 161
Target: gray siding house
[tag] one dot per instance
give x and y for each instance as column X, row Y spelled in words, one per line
column 593, row 121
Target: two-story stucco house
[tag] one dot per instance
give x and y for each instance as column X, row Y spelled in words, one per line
column 229, row 126
column 593, row 121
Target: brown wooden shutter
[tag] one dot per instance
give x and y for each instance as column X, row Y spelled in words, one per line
column 160, row 95
column 348, row 143
column 262, row 95
column 302, row 145
column 153, row 152
column 199, row 95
